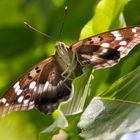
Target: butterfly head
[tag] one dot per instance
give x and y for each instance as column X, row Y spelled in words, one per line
column 63, row 53
column 65, row 57
column 61, row 48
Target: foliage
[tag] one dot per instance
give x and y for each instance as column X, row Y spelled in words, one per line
column 84, row 18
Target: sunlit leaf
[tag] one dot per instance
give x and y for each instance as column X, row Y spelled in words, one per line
column 115, row 112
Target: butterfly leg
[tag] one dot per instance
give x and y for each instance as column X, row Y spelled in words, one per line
column 66, row 74
column 78, row 59
column 73, row 58
column 67, row 87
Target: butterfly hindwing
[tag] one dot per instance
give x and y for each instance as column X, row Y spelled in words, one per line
column 106, row 49
column 52, row 88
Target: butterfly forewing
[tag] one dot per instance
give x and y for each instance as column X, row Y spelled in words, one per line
column 42, row 87
column 22, row 94
column 106, row 49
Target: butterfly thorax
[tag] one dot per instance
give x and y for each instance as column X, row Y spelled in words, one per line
column 66, row 60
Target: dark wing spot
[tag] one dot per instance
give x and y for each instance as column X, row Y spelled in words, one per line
column 38, row 71
column 27, row 96
column 29, row 76
column 101, row 38
column 89, row 49
column 89, row 39
column 91, row 42
column 117, row 47
column 36, row 68
column 111, row 54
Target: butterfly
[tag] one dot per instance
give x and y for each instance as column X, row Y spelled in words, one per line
column 49, row 82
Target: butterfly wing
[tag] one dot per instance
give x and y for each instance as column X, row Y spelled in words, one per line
column 52, row 88
column 106, row 49
column 21, row 96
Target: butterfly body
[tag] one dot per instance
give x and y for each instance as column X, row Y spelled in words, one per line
column 67, row 60
column 49, row 82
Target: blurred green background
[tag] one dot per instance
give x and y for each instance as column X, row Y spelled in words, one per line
column 21, row 48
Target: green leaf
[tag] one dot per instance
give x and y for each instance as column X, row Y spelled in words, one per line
column 115, row 112
column 19, row 43
column 107, row 14
column 80, row 91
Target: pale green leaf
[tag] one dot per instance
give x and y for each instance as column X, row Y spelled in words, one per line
column 107, row 14
column 115, row 112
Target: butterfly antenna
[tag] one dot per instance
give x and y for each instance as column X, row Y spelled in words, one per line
column 62, row 25
column 32, row 28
